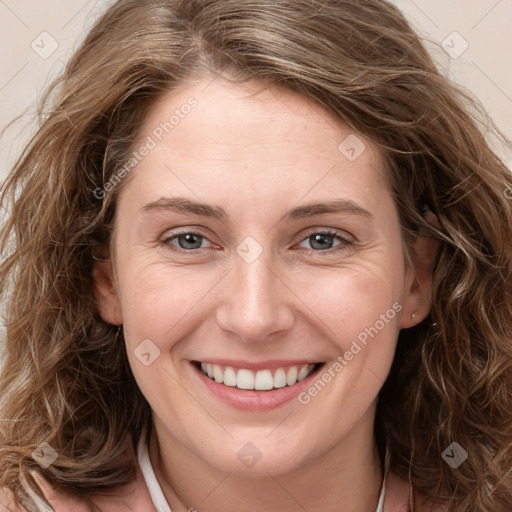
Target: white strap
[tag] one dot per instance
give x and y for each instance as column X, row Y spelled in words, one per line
column 380, row 504
column 155, row 491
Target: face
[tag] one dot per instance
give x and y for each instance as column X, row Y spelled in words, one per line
column 257, row 241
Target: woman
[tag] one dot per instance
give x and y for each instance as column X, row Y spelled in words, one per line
column 202, row 166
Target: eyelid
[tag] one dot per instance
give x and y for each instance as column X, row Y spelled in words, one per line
column 331, row 231
column 170, row 235
column 346, row 240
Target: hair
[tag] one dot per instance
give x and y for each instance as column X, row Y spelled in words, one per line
column 66, row 378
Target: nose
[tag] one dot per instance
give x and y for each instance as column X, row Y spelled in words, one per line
column 256, row 302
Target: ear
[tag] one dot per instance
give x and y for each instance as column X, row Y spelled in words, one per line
column 418, row 293
column 105, row 290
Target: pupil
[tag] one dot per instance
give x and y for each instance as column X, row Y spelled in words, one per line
column 319, row 238
column 189, row 240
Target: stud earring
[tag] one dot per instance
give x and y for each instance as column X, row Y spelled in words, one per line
column 413, row 316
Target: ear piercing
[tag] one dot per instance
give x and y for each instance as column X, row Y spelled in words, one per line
column 413, row 316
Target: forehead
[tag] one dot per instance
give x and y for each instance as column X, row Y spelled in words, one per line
column 217, row 136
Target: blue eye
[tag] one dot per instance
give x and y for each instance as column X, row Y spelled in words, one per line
column 319, row 241
column 187, row 241
column 323, row 241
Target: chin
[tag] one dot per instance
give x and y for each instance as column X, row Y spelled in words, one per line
column 257, row 458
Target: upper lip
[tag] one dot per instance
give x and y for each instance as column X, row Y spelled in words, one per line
column 259, row 365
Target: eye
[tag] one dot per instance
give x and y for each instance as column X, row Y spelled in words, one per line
column 186, row 241
column 323, row 241
column 320, row 241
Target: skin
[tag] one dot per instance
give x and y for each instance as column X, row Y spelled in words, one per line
column 258, row 151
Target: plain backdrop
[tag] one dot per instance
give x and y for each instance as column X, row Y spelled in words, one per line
column 470, row 40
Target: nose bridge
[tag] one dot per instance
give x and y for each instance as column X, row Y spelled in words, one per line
column 253, row 304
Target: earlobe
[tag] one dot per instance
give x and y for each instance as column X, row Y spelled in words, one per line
column 105, row 292
column 418, row 296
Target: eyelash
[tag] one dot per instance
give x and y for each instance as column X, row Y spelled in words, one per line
column 344, row 244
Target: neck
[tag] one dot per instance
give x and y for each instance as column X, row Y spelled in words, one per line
column 348, row 477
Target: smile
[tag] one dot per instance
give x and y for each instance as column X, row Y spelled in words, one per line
column 261, row 380
column 255, row 386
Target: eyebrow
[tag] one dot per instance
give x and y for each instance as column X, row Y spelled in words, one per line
column 184, row 205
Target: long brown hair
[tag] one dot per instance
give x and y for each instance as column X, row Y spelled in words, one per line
column 66, row 379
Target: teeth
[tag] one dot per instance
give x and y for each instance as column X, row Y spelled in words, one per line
column 303, row 373
column 262, row 380
column 291, row 376
column 244, row 379
column 279, row 378
column 218, row 374
column 229, row 376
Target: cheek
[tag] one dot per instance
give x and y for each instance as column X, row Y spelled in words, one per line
column 158, row 301
column 349, row 300
column 360, row 313
column 358, row 309
column 160, row 307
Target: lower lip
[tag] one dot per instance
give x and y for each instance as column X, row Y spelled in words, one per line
column 251, row 400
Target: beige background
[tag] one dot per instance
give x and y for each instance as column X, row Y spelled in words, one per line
column 26, row 62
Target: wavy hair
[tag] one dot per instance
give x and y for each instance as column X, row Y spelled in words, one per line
column 66, row 378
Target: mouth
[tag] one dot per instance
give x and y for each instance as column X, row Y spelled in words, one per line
column 255, row 386
column 266, row 379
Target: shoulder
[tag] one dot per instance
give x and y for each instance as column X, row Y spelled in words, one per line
column 60, row 502
column 127, row 498
column 398, row 497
